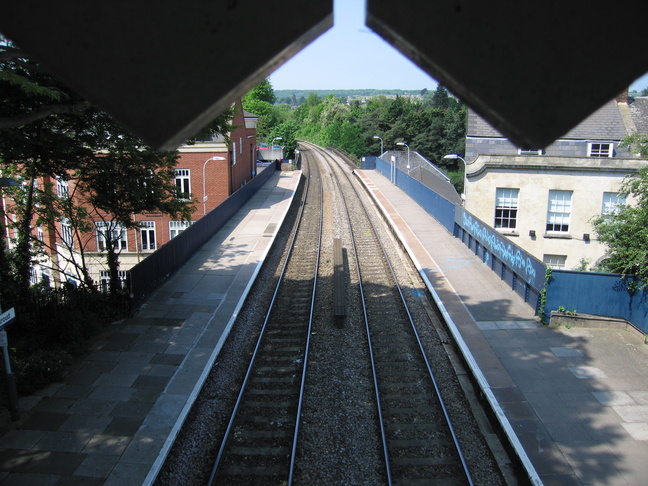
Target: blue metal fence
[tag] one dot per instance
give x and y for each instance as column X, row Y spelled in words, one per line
column 601, row 294
column 521, row 270
column 439, row 207
column 524, row 273
column 586, row 292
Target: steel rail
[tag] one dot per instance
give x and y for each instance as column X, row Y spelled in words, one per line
column 259, row 342
column 418, row 339
column 381, row 421
column 308, row 340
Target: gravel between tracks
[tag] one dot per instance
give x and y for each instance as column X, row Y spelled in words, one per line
column 338, row 437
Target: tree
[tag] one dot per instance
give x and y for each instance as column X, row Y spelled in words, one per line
column 440, row 98
column 48, row 131
column 287, row 131
column 625, row 231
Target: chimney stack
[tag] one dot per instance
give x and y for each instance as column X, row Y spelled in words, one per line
column 622, row 97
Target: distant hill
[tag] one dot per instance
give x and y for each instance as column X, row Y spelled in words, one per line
column 283, row 94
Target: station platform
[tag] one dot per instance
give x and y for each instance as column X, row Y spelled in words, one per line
column 114, row 418
column 573, row 401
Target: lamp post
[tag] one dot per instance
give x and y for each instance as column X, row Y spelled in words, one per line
column 454, row 157
column 408, row 158
column 272, row 143
column 216, row 157
column 381, row 144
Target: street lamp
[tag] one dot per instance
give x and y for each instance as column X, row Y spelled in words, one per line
column 408, row 158
column 216, row 157
column 272, row 144
column 455, row 157
column 381, row 144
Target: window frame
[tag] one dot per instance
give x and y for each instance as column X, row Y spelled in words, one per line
column 104, row 280
column 121, row 241
column 62, row 187
column 557, row 214
column 182, row 181
column 522, row 151
column 178, row 227
column 559, row 264
column 595, row 149
column 610, row 208
column 500, row 209
column 148, row 228
column 66, row 232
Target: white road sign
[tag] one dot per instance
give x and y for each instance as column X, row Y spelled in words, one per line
column 7, row 317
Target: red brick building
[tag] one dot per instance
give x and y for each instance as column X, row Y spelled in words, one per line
column 208, row 172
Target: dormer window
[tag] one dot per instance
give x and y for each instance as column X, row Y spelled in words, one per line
column 530, row 152
column 600, row 149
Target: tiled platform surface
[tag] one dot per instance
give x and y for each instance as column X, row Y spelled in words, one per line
column 575, row 400
column 113, row 419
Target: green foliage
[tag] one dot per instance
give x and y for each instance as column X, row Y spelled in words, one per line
column 55, row 326
column 542, row 298
column 432, row 123
column 562, row 310
column 626, row 232
column 48, row 131
column 287, row 132
column 637, row 142
column 583, row 263
column 39, row 369
column 261, row 92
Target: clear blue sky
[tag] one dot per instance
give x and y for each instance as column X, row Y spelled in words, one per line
column 351, row 56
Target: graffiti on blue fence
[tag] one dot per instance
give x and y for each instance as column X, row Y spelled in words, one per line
column 514, row 257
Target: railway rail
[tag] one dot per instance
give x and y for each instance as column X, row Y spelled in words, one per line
column 418, row 438
column 337, row 389
column 261, row 438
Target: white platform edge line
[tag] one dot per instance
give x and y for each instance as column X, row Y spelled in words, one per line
column 477, row 373
column 168, row 443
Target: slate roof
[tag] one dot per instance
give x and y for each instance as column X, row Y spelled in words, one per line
column 639, row 113
column 605, row 123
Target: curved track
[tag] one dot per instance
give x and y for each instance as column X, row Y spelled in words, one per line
column 418, row 438
column 261, row 437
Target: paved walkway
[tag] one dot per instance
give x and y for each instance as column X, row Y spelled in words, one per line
column 115, row 417
column 574, row 400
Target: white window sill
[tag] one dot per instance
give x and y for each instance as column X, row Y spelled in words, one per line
column 564, row 236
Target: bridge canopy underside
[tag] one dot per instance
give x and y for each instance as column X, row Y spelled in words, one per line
column 166, row 71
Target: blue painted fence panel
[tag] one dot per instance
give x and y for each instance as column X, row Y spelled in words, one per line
column 523, row 264
column 440, row 208
column 601, row 294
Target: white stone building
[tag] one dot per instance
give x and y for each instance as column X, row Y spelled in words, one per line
column 544, row 199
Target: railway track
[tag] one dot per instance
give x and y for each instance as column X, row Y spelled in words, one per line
column 319, row 400
column 261, row 438
column 418, row 438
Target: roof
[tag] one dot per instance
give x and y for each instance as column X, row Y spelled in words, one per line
column 606, row 123
column 639, row 113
